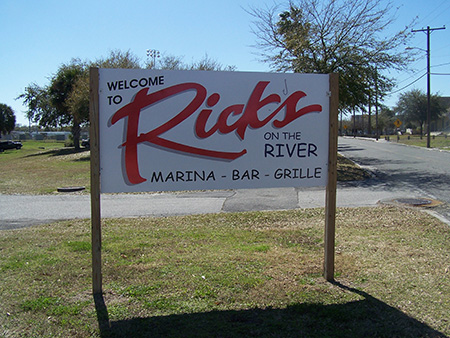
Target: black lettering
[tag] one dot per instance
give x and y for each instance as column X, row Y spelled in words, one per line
column 189, row 176
column 198, row 176
column 186, row 176
column 156, row 177
column 235, row 174
column 318, row 172
column 112, row 85
column 298, row 173
column 255, row 174
column 180, row 176
column 290, row 151
column 279, row 150
column 312, row 149
column 300, row 150
column 278, row 174
column 301, row 172
column 211, row 175
column 170, row 177
column 287, row 173
column 247, row 175
column 133, row 85
column 153, row 82
column 143, row 82
column 268, row 150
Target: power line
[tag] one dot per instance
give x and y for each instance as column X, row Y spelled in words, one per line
column 419, row 71
column 399, row 90
column 442, row 64
column 432, row 12
column 440, row 13
column 414, row 74
column 440, row 9
column 420, row 77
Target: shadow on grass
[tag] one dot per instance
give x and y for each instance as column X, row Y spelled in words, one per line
column 86, row 158
column 59, row 152
column 369, row 317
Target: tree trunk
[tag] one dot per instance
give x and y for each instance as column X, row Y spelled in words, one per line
column 76, row 131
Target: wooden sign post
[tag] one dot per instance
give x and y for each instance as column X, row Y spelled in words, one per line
column 96, row 232
column 330, row 197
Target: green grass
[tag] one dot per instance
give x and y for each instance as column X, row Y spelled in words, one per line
column 41, row 167
column 230, row 275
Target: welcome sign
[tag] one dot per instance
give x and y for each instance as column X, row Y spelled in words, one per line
column 191, row 130
column 156, row 130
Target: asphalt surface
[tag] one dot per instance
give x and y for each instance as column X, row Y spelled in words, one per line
column 19, row 211
column 422, row 172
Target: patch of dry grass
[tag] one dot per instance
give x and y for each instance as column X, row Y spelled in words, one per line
column 347, row 170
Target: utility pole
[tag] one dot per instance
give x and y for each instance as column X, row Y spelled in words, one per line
column 428, row 31
column 376, row 102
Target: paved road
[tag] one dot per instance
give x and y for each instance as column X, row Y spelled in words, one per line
column 423, row 172
column 18, row 211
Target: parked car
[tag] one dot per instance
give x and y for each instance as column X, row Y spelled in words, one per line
column 86, row 143
column 9, row 145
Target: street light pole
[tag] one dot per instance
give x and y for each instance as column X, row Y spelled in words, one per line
column 428, row 32
column 153, row 53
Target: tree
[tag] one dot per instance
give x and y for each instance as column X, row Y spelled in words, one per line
column 170, row 62
column 60, row 91
column 386, row 119
column 333, row 36
column 49, row 106
column 413, row 106
column 36, row 98
column 118, row 59
column 65, row 101
column 208, row 64
column 7, row 119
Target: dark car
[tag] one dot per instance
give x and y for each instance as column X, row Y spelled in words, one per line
column 86, row 143
column 9, row 145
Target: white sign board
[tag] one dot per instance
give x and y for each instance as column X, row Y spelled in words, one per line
column 192, row 130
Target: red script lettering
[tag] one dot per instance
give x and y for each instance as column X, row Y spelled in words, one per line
column 249, row 118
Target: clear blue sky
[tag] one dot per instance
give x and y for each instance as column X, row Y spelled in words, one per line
column 36, row 37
